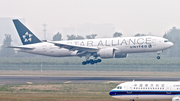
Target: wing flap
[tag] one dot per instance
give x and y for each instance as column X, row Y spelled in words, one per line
column 76, row 47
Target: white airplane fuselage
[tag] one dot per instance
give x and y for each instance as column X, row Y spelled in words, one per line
column 121, row 44
column 147, row 90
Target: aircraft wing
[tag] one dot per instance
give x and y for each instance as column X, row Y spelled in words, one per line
column 81, row 50
column 76, row 47
column 28, row 48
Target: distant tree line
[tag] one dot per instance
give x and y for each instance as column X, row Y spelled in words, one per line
column 173, row 35
column 7, row 52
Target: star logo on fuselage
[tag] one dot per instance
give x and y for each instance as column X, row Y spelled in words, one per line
column 27, row 37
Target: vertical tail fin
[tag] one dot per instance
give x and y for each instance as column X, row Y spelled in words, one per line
column 26, row 36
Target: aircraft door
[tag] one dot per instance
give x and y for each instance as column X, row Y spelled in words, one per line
column 44, row 48
column 129, row 90
column 168, row 89
column 153, row 42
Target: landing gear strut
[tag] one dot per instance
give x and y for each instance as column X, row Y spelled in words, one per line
column 158, row 55
column 91, row 61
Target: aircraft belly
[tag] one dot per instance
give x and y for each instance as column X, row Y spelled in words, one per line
column 145, row 97
column 51, row 52
column 155, row 97
column 62, row 53
column 58, row 52
column 125, row 97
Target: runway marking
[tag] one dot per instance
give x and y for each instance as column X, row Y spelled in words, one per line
column 29, row 83
column 67, row 82
column 107, row 82
column 113, row 82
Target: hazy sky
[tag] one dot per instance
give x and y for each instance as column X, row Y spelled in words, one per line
column 128, row 16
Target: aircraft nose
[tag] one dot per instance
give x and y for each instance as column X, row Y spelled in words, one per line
column 168, row 45
column 171, row 44
column 111, row 93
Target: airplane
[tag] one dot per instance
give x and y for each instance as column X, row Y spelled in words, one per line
column 147, row 90
column 105, row 48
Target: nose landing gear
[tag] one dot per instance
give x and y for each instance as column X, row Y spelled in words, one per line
column 158, row 54
column 91, row 61
column 158, row 57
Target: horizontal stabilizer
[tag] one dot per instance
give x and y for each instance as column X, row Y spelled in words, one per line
column 28, row 48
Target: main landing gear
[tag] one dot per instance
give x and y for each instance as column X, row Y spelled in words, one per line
column 91, row 61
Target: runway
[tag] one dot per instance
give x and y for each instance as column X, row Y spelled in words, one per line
column 46, row 80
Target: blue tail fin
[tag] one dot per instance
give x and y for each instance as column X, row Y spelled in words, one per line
column 27, row 37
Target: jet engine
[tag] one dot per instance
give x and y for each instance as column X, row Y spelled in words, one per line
column 177, row 98
column 106, row 52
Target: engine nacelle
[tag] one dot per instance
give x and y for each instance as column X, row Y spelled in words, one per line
column 177, row 98
column 106, row 52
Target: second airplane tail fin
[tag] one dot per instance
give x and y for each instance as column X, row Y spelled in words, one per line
column 26, row 36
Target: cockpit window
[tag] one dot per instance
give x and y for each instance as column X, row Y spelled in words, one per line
column 166, row 40
column 119, row 87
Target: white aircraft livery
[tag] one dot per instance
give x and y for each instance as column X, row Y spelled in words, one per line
column 147, row 90
column 102, row 48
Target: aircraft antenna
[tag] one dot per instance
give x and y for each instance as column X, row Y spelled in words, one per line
column 44, row 31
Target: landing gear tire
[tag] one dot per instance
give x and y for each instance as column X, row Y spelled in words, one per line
column 84, row 63
column 158, row 57
column 99, row 60
column 95, row 61
column 87, row 61
column 92, row 62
